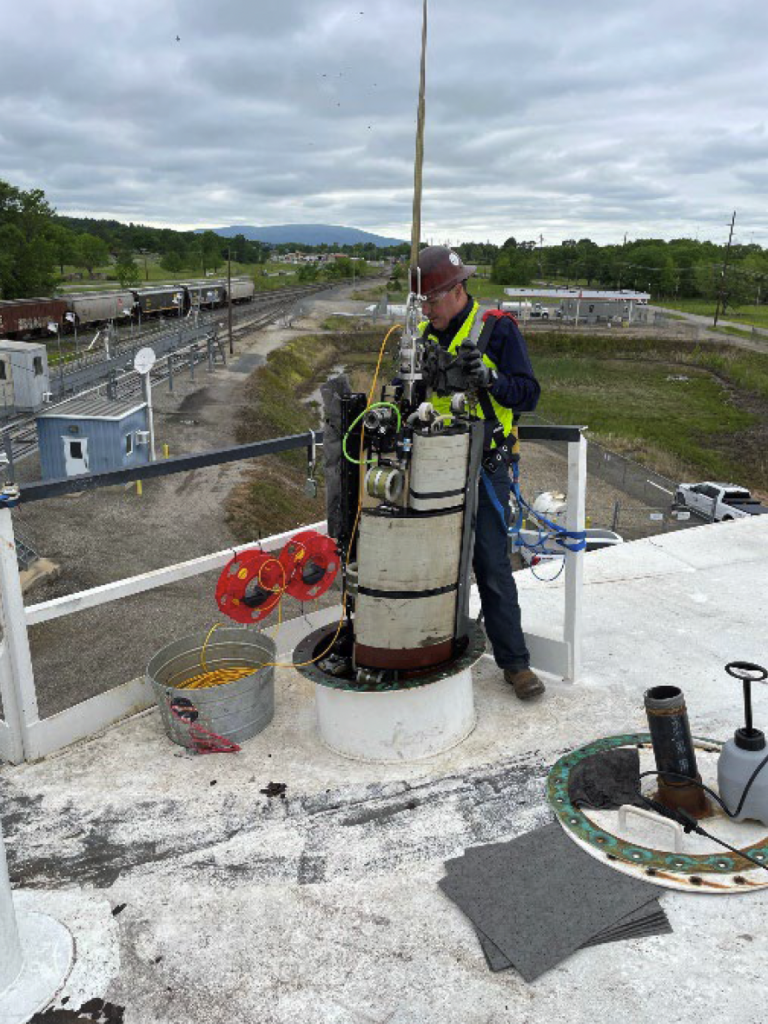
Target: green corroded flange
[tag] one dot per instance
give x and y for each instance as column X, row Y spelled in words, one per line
column 574, row 820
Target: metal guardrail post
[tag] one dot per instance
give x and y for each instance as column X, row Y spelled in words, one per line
column 18, row 689
column 11, row 958
column 574, row 563
column 8, row 449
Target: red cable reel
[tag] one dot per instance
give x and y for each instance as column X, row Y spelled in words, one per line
column 311, row 561
column 254, row 581
column 250, row 586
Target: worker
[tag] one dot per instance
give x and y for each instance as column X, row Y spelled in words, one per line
column 504, row 382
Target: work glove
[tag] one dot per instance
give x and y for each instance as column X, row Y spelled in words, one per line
column 476, row 373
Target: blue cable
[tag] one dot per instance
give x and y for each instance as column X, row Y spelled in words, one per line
column 571, row 540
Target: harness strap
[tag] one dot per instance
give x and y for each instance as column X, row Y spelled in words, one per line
column 571, row 540
column 481, row 332
column 480, row 336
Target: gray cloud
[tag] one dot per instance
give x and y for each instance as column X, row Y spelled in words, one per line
column 560, row 119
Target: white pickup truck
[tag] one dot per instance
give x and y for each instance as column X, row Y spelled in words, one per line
column 718, row 502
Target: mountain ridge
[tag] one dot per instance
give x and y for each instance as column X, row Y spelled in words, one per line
column 305, row 234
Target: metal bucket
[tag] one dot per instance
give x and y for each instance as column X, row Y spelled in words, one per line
column 235, row 710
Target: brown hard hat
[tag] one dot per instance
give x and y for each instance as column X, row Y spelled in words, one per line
column 441, row 268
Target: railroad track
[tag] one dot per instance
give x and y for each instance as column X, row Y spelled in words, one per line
column 116, row 373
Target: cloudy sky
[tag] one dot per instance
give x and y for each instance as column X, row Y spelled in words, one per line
column 555, row 119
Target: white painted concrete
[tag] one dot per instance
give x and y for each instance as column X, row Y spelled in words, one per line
column 323, row 906
column 48, row 950
column 36, row 953
column 397, row 726
column 11, row 957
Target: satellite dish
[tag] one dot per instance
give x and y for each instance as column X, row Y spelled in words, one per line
column 144, row 360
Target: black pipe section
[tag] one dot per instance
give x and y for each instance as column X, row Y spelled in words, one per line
column 352, row 406
column 670, row 732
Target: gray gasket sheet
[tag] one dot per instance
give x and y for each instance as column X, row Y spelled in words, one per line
column 539, row 898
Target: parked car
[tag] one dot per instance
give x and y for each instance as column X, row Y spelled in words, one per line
column 717, row 501
column 551, row 551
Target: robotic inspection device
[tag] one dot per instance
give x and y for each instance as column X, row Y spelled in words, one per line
column 401, row 483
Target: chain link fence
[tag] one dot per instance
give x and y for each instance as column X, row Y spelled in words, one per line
column 622, row 495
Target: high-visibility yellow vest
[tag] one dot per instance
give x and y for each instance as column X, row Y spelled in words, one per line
column 442, row 403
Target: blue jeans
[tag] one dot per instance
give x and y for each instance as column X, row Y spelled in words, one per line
column 493, row 572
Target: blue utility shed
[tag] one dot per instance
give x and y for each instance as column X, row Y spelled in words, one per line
column 92, row 434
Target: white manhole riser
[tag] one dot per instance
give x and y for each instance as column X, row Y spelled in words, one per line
column 395, row 726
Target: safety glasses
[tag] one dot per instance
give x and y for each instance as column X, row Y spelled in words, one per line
column 435, row 297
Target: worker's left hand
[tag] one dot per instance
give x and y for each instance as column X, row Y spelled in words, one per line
column 477, row 374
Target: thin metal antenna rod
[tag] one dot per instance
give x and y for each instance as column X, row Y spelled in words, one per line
column 419, row 162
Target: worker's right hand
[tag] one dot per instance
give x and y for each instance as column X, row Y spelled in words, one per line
column 477, row 374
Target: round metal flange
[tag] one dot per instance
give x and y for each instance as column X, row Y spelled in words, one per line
column 393, row 722
column 313, row 643
column 717, row 872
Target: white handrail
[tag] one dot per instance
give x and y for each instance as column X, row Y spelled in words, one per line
column 23, row 734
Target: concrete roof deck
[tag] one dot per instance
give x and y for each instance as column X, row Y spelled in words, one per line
column 323, row 907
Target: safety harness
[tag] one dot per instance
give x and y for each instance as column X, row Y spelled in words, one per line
column 569, row 540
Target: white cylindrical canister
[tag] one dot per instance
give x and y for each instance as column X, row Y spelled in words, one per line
column 438, row 477
column 408, row 569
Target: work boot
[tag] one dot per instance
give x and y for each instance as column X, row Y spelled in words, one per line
column 525, row 682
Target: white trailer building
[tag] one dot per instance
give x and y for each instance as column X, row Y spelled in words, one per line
column 24, row 378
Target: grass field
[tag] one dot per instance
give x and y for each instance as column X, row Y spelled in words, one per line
column 714, row 424
column 627, row 391
column 748, row 314
column 267, row 276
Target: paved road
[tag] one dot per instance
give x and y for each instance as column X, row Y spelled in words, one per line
column 757, row 343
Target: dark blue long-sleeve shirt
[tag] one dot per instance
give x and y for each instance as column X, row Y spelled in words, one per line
column 516, row 386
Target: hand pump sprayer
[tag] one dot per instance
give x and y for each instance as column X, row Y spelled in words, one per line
column 741, row 778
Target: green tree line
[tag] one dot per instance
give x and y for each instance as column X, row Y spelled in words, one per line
column 36, row 245
column 680, row 268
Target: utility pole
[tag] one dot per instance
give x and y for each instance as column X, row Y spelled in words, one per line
column 229, row 301
column 724, row 271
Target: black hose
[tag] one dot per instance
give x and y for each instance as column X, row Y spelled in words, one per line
column 690, row 824
column 696, row 782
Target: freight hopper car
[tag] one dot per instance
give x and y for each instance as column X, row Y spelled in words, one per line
column 21, row 319
column 243, row 289
column 204, row 294
column 30, row 318
column 160, row 299
column 87, row 308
